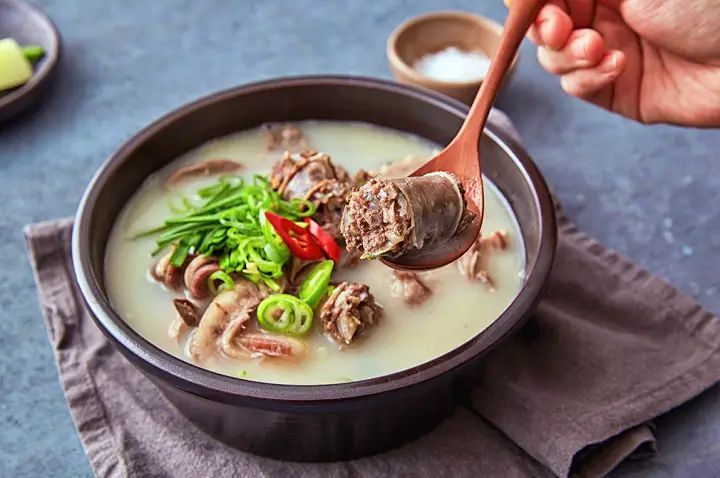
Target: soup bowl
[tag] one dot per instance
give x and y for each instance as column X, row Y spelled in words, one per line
column 310, row 422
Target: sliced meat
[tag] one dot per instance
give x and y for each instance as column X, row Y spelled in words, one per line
column 285, row 137
column 312, row 176
column 314, row 170
column 197, row 275
column 349, row 310
column 246, row 346
column 468, row 264
column 484, row 277
column 329, row 198
column 391, row 217
column 178, row 328
column 235, row 343
column 234, row 306
column 206, row 168
column 187, row 311
column 498, row 240
column 376, row 220
column 237, row 326
column 472, row 264
column 187, row 317
column 166, row 273
column 409, row 287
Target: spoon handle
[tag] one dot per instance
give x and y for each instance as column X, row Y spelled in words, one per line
column 520, row 17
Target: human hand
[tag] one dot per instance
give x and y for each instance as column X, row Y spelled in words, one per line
column 653, row 61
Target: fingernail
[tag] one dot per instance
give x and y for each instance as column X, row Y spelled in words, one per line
column 579, row 48
column 540, row 25
column 609, row 65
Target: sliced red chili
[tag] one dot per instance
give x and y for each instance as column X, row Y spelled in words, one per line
column 298, row 239
column 324, row 239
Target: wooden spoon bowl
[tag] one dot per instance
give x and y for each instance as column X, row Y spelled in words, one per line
column 470, row 175
column 461, row 157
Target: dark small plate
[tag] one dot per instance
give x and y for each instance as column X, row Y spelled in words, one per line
column 29, row 26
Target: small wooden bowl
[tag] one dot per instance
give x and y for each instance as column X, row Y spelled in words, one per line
column 434, row 32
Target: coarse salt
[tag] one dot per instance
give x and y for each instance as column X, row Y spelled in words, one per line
column 454, row 65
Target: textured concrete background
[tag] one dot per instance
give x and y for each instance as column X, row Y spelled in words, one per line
column 650, row 192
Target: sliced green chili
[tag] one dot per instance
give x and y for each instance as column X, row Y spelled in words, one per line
column 227, row 282
column 316, row 283
column 285, row 314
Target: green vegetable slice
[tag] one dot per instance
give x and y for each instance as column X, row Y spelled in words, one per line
column 15, row 68
column 177, row 259
column 227, row 282
column 316, row 283
column 227, row 219
column 285, row 314
column 275, row 249
column 33, row 52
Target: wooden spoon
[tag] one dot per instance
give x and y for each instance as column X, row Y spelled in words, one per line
column 462, row 156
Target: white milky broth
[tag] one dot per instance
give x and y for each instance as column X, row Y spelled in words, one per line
column 406, row 336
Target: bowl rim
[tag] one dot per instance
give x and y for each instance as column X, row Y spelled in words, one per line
column 399, row 62
column 191, row 377
column 45, row 73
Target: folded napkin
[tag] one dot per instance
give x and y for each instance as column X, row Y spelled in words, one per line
column 610, row 348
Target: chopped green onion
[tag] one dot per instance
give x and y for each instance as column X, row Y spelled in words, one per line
column 315, row 285
column 185, row 206
column 188, row 220
column 229, row 222
column 272, row 254
column 179, row 254
column 177, row 236
column 285, row 314
column 227, row 282
column 273, row 284
column 149, row 232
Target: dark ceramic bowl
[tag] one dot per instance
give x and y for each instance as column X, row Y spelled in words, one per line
column 29, row 26
column 325, row 422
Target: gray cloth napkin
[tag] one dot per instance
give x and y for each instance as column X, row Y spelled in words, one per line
column 610, row 348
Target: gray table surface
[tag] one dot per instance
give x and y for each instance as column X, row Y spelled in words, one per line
column 650, row 192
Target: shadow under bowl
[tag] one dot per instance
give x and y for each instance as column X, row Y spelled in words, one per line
column 323, row 422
